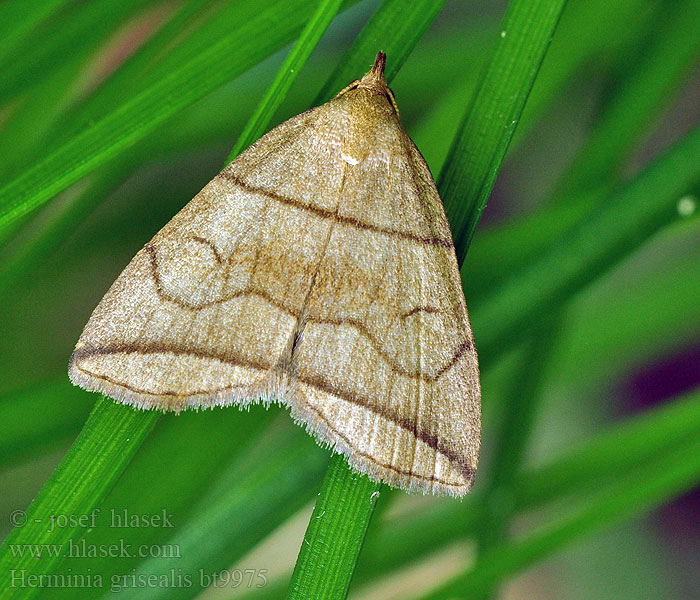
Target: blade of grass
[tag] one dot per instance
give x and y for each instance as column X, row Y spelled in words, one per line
column 182, row 479
column 105, row 446
column 395, row 27
column 482, row 139
column 592, row 465
column 37, row 420
column 295, row 61
column 645, row 85
column 507, row 248
column 590, row 32
column 629, row 218
column 335, row 534
column 31, row 121
column 648, row 487
column 17, row 19
column 81, row 111
column 511, row 440
column 83, row 23
column 140, row 69
column 38, row 244
column 255, row 494
column 260, row 32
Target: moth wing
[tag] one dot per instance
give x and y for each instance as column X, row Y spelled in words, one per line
column 386, row 369
column 206, row 312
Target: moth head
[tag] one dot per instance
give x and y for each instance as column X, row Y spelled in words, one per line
column 375, row 82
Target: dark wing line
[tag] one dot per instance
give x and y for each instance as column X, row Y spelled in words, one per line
column 429, row 439
column 468, row 474
column 356, row 323
column 329, row 214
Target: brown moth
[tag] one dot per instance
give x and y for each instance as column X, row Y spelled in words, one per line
column 316, row 270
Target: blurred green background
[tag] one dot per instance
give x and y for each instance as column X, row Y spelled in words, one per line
column 618, row 88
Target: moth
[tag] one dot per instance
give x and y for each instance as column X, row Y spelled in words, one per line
column 316, row 270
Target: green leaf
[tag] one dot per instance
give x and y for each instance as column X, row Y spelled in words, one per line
column 628, row 219
column 521, row 401
column 257, row 492
column 590, row 32
column 642, row 90
column 36, row 420
column 18, row 19
column 395, row 28
column 589, row 467
column 83, row 23
column 66, row 111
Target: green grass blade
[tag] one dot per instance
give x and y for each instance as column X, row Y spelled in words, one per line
column 480, row 145
column 590, row 32
column 626, row 221
column 138, row 116
column 36, row 55
column 395, row 27
column 55, row 228
column 506, row 248
column 29, row 124
column 107, row 443
column 657, row 482
column 512, row 438
column 141, row 68
column 81, row 110
column 334, row 537
column 191, row 462
column 600, row 460
column 295, row 61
